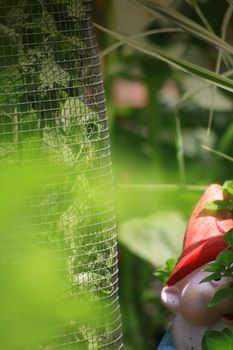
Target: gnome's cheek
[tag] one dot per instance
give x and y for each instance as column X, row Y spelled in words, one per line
column 194, row 306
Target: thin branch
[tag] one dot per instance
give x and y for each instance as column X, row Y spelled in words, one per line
column 176, row 62
column 204, row 20
column 221, row 55
column 162, row 187
column 201, row 15
column 226, row 20
column 226, row 58
column 180, row 148
column 189, row 94
column 220, row 154
column 137, row 36
column 213, row 94
column 186, row 23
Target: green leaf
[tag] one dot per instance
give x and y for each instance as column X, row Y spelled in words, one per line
column 48, row 23
column 76, row 9
column 219, row 296
column 228, row 332
column 52, row 74
column 228, row 238
column 211, row 277
column 218, row 340
column 155, row 238
column 164, row 272
column 225, row 259
column 76, row 113
column 228, row 187
column 213, row 267
column 217, row 205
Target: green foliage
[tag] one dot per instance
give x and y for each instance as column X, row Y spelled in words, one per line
column 178, row 63
column 34, row 276
column 155, row 238
column 229, row 238
column 164, row 272
column 228, row 187
column 224, row 204
column 222, row 266
column 48, row 112
column 46, row 74
column 217, row 205
column 217, row 340
column 186, row 23
column 139, row 61
column 220, row 295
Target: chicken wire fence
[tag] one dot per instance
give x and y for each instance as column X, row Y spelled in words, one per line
column 52, row 104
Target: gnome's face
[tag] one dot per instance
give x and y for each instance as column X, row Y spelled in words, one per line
column 183, row 293
column 190, row 299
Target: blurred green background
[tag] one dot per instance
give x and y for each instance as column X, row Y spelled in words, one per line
column 171, row 136
column 163, row 151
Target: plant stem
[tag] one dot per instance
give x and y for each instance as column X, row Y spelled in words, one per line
column 220, row 154
column 15, row 127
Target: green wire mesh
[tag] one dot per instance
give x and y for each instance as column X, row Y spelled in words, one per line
column 52, row 104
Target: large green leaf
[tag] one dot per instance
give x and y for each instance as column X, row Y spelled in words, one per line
column 218, row 340
column 155, row 238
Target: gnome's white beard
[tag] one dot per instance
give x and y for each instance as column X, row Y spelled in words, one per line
column 189, row 337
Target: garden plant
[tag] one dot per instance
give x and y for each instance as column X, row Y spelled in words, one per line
column 183, row 56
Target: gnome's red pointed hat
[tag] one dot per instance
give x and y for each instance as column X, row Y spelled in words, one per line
column 203, row 237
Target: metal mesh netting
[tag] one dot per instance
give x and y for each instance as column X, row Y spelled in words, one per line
column 52, row 104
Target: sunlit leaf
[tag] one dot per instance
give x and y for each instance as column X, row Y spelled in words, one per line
column 164, row 272
column 228, row 187
column 155, row 238
column 218, row 340
column 217, row 205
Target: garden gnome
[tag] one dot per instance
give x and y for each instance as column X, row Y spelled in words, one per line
column 183, row 293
